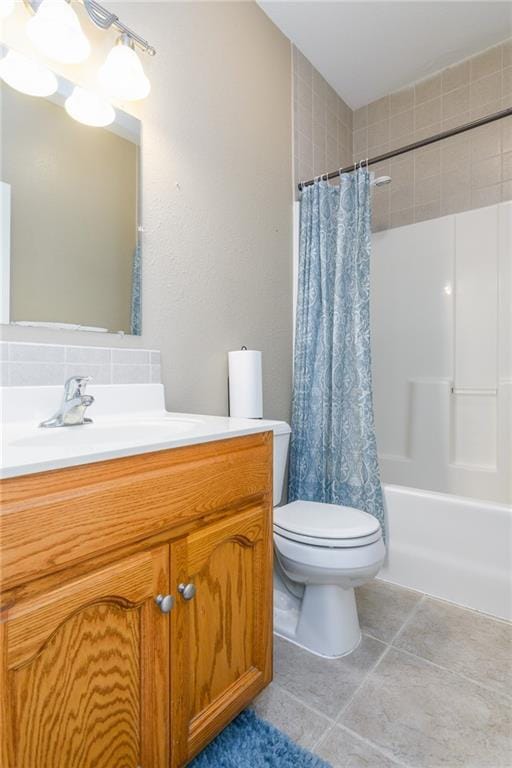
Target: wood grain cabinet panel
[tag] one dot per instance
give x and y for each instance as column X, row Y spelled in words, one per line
column 85, row 673
column 226, row 628
column 92, row 673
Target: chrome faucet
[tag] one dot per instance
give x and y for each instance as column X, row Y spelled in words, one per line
column 74, row 403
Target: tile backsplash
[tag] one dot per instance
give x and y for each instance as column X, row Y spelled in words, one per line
column 24, row 364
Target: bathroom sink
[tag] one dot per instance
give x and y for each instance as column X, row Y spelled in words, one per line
column 150, row 430
column 127, row 420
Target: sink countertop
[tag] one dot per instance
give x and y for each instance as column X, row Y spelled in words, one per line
column 127, row 420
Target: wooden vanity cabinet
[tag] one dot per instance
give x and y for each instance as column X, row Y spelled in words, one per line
column 94, row 674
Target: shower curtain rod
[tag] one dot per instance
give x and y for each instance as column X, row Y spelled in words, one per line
column 415, row 145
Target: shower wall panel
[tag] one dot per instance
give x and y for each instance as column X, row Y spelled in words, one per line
column 441, row 353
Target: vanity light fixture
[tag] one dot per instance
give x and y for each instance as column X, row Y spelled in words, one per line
column 122, row 76
column 6, row 8
column 26, row 75
column 56, row 32
column 89, row 108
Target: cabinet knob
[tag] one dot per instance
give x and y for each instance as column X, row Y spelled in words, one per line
column 164, row 602
column 187, row 591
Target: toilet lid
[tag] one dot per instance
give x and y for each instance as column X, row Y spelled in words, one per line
column 316, row 520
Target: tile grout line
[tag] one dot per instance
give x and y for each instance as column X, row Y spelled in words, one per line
column 388, row 646
column 452, row 672
column 304, row 704
column 411, row 615
column 383, row 750
column 363, row 681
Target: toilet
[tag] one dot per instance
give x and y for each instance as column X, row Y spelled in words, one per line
column 322, row 551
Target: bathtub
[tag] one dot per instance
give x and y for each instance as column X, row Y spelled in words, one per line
column 455, row 548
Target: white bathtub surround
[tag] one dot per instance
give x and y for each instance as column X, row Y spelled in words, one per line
column 442, row 353
column 128, row 419
column 450, row 547
column 26, row 364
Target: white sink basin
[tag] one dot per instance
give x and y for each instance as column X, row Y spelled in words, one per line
column 127, row 420
column 151, row 430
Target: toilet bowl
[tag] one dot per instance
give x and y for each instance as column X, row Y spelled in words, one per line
column 322, row 551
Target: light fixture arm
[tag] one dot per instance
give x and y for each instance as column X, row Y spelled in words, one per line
column 104, row 19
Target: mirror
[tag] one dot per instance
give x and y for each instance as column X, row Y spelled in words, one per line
column 70, row 256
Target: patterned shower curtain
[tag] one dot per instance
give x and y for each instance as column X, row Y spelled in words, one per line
column 135, row 307
column 333, row 449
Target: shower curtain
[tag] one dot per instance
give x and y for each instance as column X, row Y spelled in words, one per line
column 333, row 448
column 135, row 307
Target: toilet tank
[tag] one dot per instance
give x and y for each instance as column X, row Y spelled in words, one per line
column 281, row 432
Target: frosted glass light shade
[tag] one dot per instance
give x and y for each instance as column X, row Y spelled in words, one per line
column 26, row 75
column 89, row 108
column 122, row 75
column 55, row 31
column 6, row 8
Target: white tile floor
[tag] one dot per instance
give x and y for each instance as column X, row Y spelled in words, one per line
column 430, row 686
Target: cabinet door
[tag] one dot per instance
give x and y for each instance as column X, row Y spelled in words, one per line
column 85, row 671
column 224, row 632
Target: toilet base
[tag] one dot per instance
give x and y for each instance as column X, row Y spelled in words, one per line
column 324, row 622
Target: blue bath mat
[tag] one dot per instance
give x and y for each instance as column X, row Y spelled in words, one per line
column 249, row 742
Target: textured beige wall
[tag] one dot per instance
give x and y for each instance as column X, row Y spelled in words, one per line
column 467, row 171
column 216, row 199
column 322, row 138
column 73, row 214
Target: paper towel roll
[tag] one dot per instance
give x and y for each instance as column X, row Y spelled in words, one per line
column 245, row 389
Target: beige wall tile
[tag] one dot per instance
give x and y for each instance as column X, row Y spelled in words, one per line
column 458, row 173
column 319, row 83
column 401, row 124
column 486, row 172
column 506, row 133
column 507, row 53
column 427, row 190
column 427, row 113
column 506, row 190
column 360, row 142
column 400, row 101
column 456, row 102
column 428, row 211
column 456, row 76
column 486, row 196
column 427, row 131
column 401, row 170
column 401, row 218
column 319, row 160
column 457, row 202
column 360, row 118
column 305, row 152
column 506, row 82
column 397, row 142
column 486, row 141
column 486, row 63
column 304, row 93
column 427, row 89
column 319, row 108
column 506, row 166
column 318, row 132
column 485, row 90
column 401, row 196
column 455, row 122
column 455, row 153
column 378, row 110
column 304, row 121
column 331, row 124
column 455, row 181
column 486, row 109
column 427, row 162
column 378, row 133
